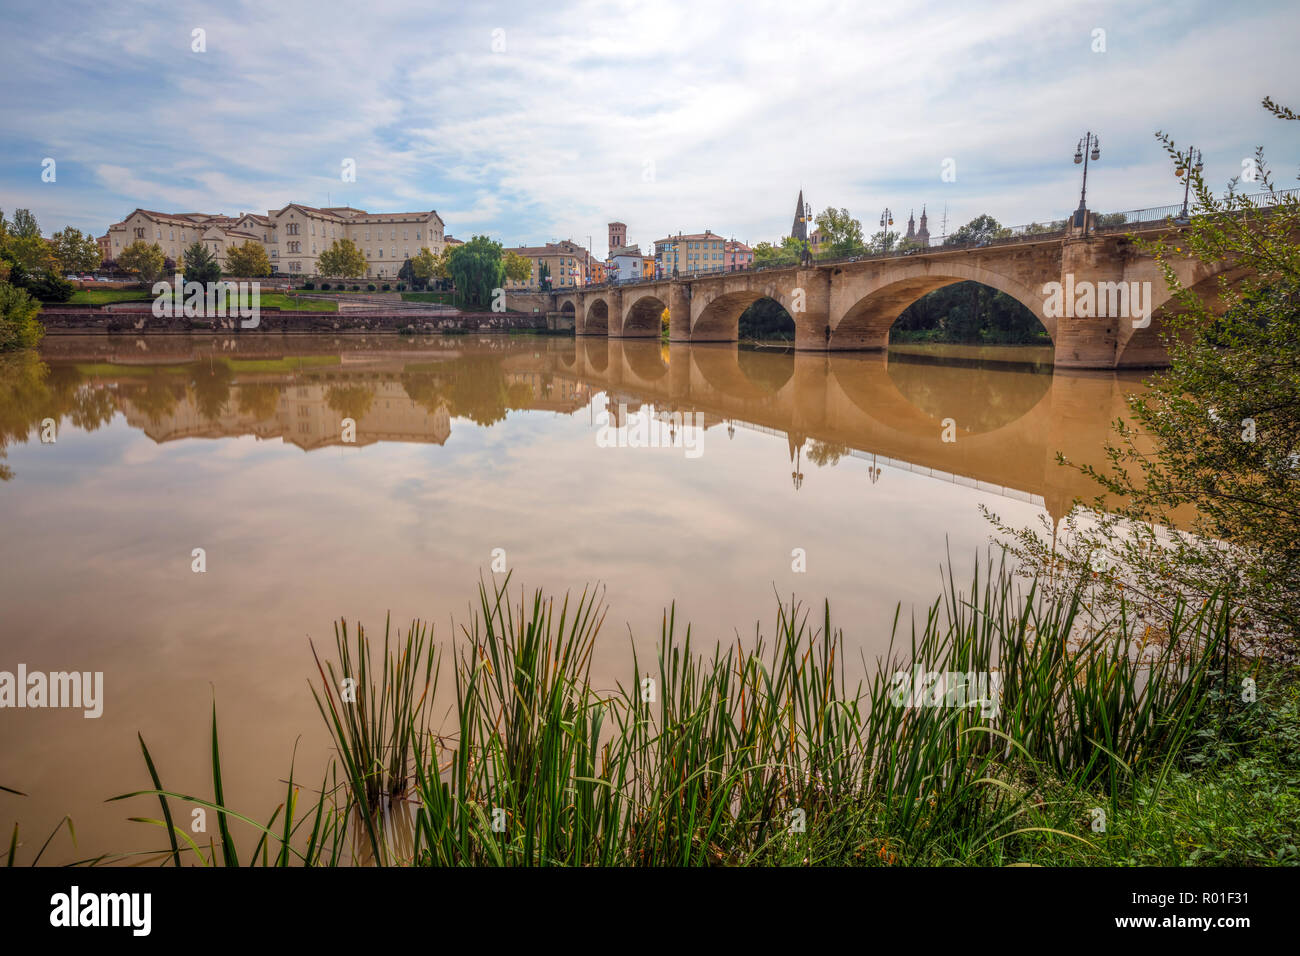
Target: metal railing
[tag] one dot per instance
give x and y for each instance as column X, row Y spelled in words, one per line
column 1045, row 230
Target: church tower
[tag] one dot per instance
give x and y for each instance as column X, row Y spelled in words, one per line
column 800, row 228
column 923, row 234
column 911, row 225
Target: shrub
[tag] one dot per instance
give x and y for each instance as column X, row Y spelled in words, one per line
column 48, row 287
column 19, row 327
column 370, row 287
column 324, row 286
column 386, row 286
column 356, row 288
column 311, row 285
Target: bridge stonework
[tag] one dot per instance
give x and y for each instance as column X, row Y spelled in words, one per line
column 850, row 306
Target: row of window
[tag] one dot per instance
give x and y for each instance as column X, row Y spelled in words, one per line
column 291, row 229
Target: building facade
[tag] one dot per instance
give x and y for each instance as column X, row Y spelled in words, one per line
column 293, row 237
column 570, row 265
column 626, row 264
column 690, row 254
column 737, row 255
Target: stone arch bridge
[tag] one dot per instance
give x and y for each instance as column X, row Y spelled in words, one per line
column 850, row 305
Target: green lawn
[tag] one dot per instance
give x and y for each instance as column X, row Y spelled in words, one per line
column 443, row 297
column 105, row 296
column 295, row 304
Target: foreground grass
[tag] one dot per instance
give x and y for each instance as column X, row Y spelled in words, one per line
column 1112, row 743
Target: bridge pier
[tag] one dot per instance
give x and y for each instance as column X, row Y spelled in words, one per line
column 679, row 312
column 812, row 322
column 1088, row 341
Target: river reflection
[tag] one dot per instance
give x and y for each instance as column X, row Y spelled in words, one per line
column 462, row 445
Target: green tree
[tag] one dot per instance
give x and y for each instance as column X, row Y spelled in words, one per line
column 788, row 252
column 517, row 267
column 343, row 259
column 19, row 326
column 983, row 228
column 248, row 260
column 24, row 225
column 544, row 277
column 841, row 233
column 1218, row 434
column 75, row 251
column 199, row 265
column 146, row 261
column 476, row 270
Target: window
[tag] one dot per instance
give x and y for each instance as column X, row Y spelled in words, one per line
column 381, row 253
column 367, row 235
column 394, row 235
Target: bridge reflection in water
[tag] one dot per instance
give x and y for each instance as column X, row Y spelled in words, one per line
column 1003, row 411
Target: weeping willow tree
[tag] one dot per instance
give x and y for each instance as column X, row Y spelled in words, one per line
column 476, row 269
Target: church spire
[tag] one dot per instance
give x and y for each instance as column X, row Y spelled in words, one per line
column 911, row 225
column 800, row 228
column 923, row 234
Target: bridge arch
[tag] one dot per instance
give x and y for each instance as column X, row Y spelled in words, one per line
column 716, row 310
column 596, row 321
column 1145, row 347
column 871, row 305
column 642, row 314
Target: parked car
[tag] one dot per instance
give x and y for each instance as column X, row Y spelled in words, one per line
column 102, row 279
column 72, row 278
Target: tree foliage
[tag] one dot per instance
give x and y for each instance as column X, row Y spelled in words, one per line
column 143, row 260
column 75, row 251
column 476, row 269
column 200, row 265
column 841, row 233
column 248, row 260
column 342, row 259
column 19, row 326
column 517, row 267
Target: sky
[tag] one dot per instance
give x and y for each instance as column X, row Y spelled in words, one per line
column 537, row 122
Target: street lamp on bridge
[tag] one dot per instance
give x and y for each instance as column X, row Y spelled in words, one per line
column 1089, row 147
column 1186, row 168
column 886, row 220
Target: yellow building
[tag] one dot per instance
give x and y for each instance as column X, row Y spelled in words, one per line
column 690, row 254
column 569, row 263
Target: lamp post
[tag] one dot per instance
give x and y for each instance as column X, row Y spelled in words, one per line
column 1193, row 164
column 805, row 219
column 1089, row 146
column 886, row 220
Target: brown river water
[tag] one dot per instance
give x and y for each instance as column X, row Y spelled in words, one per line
column 550, row 454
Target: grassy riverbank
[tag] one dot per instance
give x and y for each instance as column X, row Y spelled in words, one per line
column 1109, row 742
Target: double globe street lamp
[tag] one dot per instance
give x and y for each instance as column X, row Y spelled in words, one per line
column 1089, row 147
